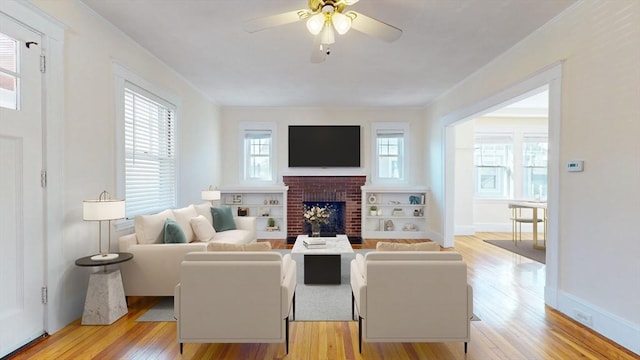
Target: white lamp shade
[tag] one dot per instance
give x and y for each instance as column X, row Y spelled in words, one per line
column 103, row 210
column 315, row 23
column 210, row 195
column 341, row 22
column 328, row 37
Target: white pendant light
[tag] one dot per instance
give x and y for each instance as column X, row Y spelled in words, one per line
column 341, row 22
column 328, row 37
column 316, row 23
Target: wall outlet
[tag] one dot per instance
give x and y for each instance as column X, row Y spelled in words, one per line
column 584, row 318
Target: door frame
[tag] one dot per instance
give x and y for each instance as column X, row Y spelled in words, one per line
column 550, row 76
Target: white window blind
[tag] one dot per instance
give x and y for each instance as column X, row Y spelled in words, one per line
column 150, row 152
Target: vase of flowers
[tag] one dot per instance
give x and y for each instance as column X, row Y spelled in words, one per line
column 316, row 215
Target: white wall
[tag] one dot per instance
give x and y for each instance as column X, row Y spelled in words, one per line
column 91, row 45
column 284, row 117
column 598, row 255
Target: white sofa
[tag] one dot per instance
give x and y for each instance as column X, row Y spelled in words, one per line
column 235, row 297
column 412, row 296
column 155, row 267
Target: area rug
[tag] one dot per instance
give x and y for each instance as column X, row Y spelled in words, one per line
column 313, row 302
column 524, row 248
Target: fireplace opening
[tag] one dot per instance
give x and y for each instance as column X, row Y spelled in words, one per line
column 337, row 220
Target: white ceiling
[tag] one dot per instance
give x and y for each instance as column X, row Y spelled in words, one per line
column 443, row 42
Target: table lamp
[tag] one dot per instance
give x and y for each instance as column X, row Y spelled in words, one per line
column 103, row 209
column 211, row 195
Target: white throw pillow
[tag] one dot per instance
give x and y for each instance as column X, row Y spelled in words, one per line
column 204, row 209
column 202, row 228
column 183, row 218
column 149, row 228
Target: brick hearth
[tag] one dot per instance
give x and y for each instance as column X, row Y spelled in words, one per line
column 347, row 187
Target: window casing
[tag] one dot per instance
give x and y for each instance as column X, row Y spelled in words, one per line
column 493, row 159
column 258, row 149
column 150, row 145
column 390, row 143
column 257, row 152
column 534, row 167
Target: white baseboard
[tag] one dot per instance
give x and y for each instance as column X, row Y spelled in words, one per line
column 611, row 326
column 464, row 230
column 493, row 227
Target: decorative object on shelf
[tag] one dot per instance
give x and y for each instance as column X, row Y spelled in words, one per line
column 271, row 225
column 409, row 227
column 237, row 199
column 103, row 209
column 316, row 215
column 397, row 212
column 374, row 210
column 243, row 211
column 388, row 225
column 210, row 195
column 416, row 212
column 264, row 211
column 414, row 200
column 372, row 199
column 394, row 202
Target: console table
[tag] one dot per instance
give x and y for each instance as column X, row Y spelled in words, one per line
column 105, row 301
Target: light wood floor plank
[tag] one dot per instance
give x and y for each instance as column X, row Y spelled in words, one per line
column 508, row 298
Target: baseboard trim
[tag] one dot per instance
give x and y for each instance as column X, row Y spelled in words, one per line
column 613, row 327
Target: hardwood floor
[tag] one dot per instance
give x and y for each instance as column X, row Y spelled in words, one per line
column 508, row 298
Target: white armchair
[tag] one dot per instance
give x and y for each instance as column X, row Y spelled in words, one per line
column 413, row 296
column 235, row 297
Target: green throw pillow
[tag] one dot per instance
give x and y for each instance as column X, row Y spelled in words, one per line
column 173, row 232
column 223, row 218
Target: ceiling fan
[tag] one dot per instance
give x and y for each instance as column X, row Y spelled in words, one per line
column 324, row 19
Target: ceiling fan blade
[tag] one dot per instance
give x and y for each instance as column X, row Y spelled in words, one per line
column 373, row 27
column 318, row 54
column 266, row 22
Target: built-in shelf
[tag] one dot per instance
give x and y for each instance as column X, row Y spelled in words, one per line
column 264, row 203
column 400, row 212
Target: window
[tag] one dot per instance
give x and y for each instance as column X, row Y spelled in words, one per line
column 258, row 160
column 389, row 144
column 9, row 76
column 534, row 163
column 499, row 174
column 149, row 152
column 257, row 153
column 493, row 156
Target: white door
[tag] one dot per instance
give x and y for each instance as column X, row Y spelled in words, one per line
column 21, row 193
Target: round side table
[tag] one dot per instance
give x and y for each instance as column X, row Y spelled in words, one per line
column 105, row 302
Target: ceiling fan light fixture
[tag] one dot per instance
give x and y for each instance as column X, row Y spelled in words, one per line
column 327, row 35
column 315, row 23
column 341, row 23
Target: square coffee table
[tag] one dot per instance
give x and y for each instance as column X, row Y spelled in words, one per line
column 322, row 265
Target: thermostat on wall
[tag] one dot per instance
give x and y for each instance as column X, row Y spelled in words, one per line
column 575, row 165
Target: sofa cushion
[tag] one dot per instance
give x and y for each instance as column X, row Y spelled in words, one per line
column 257, row 246
column 173, row 232
column 223, row 218
column 149, row 228
column 421, row 246
column 183, row 217
column 204, row 209
column 234, row 236
column 202, row 228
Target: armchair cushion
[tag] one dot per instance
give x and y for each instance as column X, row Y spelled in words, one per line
column 256, row 246
column 223, row 218
column 183, row 217
column 421, row 246
column 204, row 209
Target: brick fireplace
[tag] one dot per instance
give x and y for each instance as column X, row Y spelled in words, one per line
column 324, row 189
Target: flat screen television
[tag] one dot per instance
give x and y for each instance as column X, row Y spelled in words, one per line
column 324, row 146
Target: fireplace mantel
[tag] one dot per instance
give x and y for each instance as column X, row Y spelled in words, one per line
column 324, row 172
